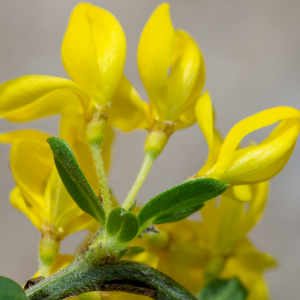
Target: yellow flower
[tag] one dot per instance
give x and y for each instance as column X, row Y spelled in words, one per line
column 172, row 70
column 93, row 54
column 40, row 193
column 255, row 163
column 223, row 230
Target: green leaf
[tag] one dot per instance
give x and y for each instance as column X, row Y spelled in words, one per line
column 221, row 289
column 180, row 201
column 75, row 181
column 121, row 227
column 10, row 290
column 177, row 215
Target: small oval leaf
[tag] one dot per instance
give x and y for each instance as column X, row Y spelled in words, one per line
column 179, row 201
column 75, row 181
column 10, row 290
column 230, row 289
column 121, row 227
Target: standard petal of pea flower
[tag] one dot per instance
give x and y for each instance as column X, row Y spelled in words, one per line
column 93, row 54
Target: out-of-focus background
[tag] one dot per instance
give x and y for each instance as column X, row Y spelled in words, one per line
column 252, row 55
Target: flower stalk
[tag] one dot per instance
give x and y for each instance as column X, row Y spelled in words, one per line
column 154, row 144
column 48, row 248
column 95, row 132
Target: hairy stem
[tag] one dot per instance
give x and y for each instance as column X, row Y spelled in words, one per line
column 146, row 166
column 49, row 247
column 96, row 152
column 125, row 276
column 95, row 134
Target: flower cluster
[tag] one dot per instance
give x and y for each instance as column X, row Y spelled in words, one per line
column 99, row 98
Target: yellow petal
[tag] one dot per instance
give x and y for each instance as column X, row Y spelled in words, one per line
column 229, row 222
column 31, row 165
column 13, row 136
column 148, row 258
column 93, row 51
column 155, row 55
column 229, row 219
column 256, row 206
column 186, row 118
column 19, row 202
column 264, row 161
column 248, row 265
column 205, row 118
column 36, row 96
column 187, row 63
column 83, row 222
column 128, row 111
column 242, row 192
column 61, row 209
column 246, row 126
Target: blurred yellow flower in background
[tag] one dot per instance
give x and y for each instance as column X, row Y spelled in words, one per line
column 224, row 230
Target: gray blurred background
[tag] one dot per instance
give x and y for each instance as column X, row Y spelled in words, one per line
column 252, row 55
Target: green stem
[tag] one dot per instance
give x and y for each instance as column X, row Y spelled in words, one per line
column 146, row 166
column 48, row 248
column 95, row 135
column 96, row 152
column 125, row 276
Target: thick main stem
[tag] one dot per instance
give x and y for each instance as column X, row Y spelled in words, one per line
column 146, row 166
column 125, row 276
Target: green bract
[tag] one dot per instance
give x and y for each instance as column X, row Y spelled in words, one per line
column 221, row 289
column 75, row 181
column 179, row 201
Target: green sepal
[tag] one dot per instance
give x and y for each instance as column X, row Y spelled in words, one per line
column 223, row 289
column 121, row 227
column 132, row 251
column 180, row 201
column 10, row 290
column 75, row 181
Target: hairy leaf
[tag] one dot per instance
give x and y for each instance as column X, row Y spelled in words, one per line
column 121, row 227
column 179, row 201
column 75, row 181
